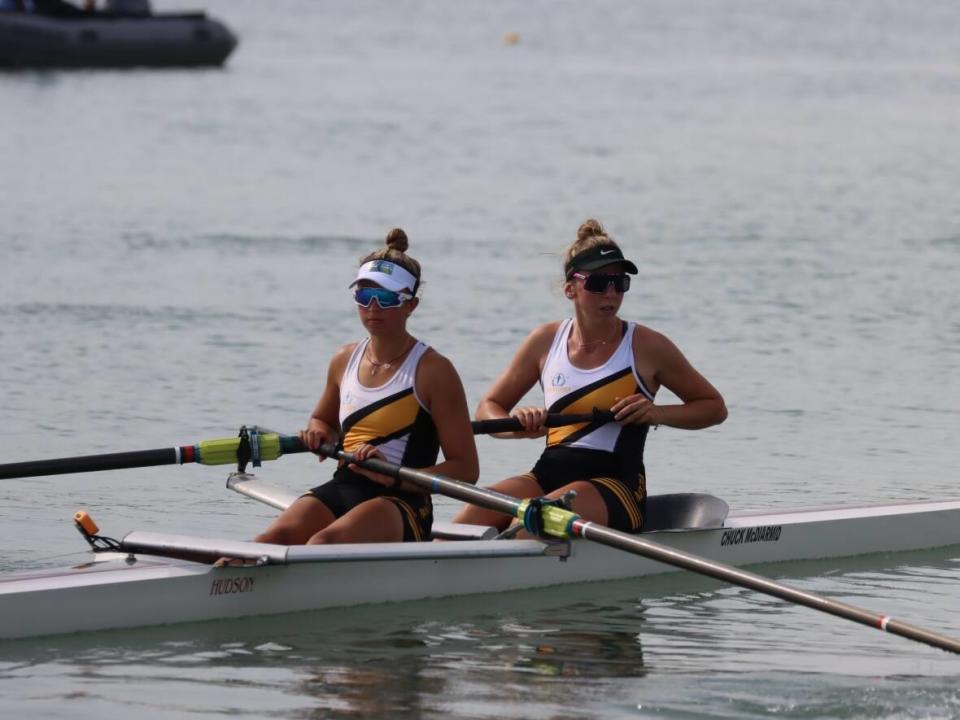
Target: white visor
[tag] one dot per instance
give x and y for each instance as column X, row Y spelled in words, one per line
column 387, row 275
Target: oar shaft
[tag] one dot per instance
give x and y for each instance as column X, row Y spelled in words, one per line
column 455, row 489
column 561, row 521
column 91, row 463
column 222, row 451
column 752, row 581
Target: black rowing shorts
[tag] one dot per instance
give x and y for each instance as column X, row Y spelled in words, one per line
column 348, row 489
column 623, row 489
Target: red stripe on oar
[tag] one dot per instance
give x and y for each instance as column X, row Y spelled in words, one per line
column 186, row 454
column 577, row 527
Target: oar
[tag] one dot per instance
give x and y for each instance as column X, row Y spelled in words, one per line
column 559, row 522
column 600, row 417
column 222, row 451
column 264, row 445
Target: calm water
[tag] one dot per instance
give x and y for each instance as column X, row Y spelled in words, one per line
column 175, row 250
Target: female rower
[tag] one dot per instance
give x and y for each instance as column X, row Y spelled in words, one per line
column 595, row 360
column 391, row 397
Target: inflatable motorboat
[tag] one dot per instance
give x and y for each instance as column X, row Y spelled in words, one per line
column 125, row 34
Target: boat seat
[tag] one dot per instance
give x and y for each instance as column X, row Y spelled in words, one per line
column 677, row 511
column 460, row 531
column 683, row 511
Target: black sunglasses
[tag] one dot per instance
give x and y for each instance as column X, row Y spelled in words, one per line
column 597, row 283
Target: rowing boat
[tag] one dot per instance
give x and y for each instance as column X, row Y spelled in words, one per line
column 154, row 579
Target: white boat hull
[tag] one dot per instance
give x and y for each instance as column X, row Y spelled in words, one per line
column 117, row 592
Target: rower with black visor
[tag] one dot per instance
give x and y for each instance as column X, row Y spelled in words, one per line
column 595, row 360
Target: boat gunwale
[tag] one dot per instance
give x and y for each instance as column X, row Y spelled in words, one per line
column 831, row 513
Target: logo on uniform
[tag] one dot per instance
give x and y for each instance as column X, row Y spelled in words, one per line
column 558, row 380
column 347, row 398
column 382, row 266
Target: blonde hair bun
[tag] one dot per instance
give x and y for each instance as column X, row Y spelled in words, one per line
column 397, row 240
column 590, row 228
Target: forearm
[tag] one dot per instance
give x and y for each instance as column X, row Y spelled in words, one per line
column 464, row 470
column 692, row 415
column 489, row 409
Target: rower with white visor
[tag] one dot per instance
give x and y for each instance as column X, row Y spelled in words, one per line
column 389, row 396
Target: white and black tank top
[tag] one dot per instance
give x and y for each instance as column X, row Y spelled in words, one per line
column 569, row 389
column 390, row 416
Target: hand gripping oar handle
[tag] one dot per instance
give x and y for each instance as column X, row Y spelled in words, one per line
column 227, row 451
column 600, row 417
column 559, row 522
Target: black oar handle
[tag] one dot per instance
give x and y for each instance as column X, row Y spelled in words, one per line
column 199, row 453
column 482, row 427
column 91, row 463
column 292, row 444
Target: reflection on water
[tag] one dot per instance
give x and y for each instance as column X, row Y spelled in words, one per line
column 805, row 695
column 514, row 654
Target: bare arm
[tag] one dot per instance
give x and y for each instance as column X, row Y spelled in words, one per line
column 521, row 374
column 324, row 423
column 441, row 391
column 702, row 405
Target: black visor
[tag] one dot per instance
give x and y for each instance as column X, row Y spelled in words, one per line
column 597, row 257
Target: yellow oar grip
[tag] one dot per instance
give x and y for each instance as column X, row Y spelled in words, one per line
column 556, row 521
column 223, row 451
column 270, row 446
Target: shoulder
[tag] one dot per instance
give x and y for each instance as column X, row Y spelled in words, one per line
column 535, row 347
column 433, row 363
column 436, row 381
column 642, row 332
column 547, row 330
column 344, row 351
column 341, row 357
column 648, row 341
column 541, row 337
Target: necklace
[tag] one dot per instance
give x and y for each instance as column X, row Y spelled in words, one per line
column 582, row 345
column 375, row 366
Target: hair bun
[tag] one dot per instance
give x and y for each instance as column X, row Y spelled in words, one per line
column 397, row 240
column 590, row 228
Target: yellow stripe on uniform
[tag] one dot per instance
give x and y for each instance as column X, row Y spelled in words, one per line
column 383, row 422
column 623, row 494
column 603, row 397
column 411, row 517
